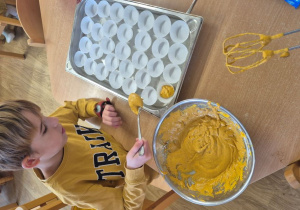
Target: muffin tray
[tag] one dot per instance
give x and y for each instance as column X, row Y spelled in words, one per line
column 125, row 47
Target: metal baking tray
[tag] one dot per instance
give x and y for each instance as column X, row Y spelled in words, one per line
column 194, row 23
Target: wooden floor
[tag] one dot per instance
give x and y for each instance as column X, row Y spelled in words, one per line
column 29, row 80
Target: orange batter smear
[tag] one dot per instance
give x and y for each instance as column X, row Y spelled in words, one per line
column 266, row 55
column 261, row 42
column 205, row 153
column 135, row 102
column 238, row 51
column 167, row 91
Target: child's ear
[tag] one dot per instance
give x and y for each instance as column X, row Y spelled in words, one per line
column 30, row 162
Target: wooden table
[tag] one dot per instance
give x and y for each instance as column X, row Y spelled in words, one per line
column 265, row 99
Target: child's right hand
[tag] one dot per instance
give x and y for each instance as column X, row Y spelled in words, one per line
column 111, row 117
column 134, row 160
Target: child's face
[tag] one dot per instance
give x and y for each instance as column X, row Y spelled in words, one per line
column 49, row 137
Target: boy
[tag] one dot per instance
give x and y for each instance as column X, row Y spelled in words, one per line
column 84, row 167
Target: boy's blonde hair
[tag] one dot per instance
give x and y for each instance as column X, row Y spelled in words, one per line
column 15, row 133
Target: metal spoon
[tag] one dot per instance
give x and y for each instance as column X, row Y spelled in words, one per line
column 141, row 150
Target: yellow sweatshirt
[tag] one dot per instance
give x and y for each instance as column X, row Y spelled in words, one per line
column 92, row 173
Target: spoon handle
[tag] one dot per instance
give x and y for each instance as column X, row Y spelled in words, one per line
column 141, row 151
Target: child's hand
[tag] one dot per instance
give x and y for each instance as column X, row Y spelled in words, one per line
column 110, row 116
column 134, row 160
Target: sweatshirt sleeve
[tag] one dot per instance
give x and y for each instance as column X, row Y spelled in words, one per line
column 74, row 110
column 134, row 191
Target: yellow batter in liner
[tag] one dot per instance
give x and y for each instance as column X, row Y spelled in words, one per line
column 204, row 153
column 167, row 91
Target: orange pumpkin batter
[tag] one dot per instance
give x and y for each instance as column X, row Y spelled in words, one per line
column 204, row 153
column 135, row 102
column 248, row 48
column 167, row 91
